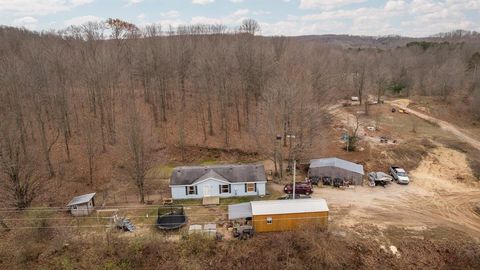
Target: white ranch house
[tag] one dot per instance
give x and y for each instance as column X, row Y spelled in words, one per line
column 196, row 182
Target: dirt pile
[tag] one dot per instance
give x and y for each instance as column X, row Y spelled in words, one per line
column 443, row 169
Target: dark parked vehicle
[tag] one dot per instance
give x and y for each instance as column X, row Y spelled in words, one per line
column 327, row 180
column 314, row 180
column 379, row 179
column 300, row 188
column 337, row 182
column 243, row 232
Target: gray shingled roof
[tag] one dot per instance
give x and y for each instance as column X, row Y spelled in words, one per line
column 187, row 175
column 336, row 162
column 81, row 199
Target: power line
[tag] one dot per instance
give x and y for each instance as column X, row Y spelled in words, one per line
column 90, row 217
column 152, row 207
column 155, row 224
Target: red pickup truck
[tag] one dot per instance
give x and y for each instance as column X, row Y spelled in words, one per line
column 300, row 188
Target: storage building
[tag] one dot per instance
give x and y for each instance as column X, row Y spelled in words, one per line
column 82, row 205
column 282, row 215
column 337, row 168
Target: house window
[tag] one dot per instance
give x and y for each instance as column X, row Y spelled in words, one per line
column 250, row 187
column 269, row 220
column 224, row 189
column 191, row 190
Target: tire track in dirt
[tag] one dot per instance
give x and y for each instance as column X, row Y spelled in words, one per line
column 454, row 210
column 434, row 199
column 442, row 124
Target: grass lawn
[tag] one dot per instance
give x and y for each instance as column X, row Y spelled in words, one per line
column 160, row 171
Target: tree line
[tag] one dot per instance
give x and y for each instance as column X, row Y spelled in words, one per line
column 114, row 89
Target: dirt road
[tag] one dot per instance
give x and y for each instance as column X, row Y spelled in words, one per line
column 435, row 197
column 441, row 193
column 442, row 124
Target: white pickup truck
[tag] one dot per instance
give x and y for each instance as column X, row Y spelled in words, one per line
column 399, row 175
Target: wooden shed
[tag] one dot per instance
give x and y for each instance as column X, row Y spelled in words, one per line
column 82, row 205
column 282, row 215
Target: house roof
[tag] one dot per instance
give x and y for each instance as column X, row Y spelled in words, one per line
column 238, row 173
column 275, row 207
column 81, row 199
column 211, row 174
column 336, row 162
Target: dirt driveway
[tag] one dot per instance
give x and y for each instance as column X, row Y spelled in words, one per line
column 443, row 124
column 438, row 195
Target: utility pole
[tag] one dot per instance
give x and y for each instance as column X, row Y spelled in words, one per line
column 278, row 138
column 290, row 136
column 294, row 171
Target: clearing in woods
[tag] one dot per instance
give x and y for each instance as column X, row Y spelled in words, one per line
column 443, row 192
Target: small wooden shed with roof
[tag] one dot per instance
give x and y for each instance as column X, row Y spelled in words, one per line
column 82, row 205
column 282, row 215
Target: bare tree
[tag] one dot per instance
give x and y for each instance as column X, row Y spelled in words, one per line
column 46, row 142
column 138, row 163
column 474, row 63
column 352, row 135
column 18, row 177
column 183, row 50
column 359, row 83
column 250, row 26
column 90, row 142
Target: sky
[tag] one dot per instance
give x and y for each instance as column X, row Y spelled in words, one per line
column 416, row 18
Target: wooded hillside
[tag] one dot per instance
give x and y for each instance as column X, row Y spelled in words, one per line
column 98, row 102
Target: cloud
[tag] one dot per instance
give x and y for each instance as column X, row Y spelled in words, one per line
column 205, row 20
column 27, row 22
column 202, row 2
column 395, row 5
column 132, row 2
column 170, row 14
column 236, row 1
column 81, row 20
column 233, row 19
column 23, row 20
column 326, row 4
column 241, row 12
column 411, row 18
column 80, row 2
column 261, row 12
column 39, row 7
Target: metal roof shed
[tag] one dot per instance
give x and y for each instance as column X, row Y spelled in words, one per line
column 284, row 215
column 275, row 207
column 281, row 215
column 81, row 199
column 241, row 210
column 82, row 205
column 337, row 168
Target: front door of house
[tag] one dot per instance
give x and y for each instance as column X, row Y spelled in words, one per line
column 206, row 191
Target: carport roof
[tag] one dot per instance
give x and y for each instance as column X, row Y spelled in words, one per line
column 337, row 162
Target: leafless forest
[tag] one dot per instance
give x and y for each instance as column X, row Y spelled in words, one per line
column 98, row 102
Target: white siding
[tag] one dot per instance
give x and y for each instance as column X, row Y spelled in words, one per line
column 82, row 209
column 211, row 186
